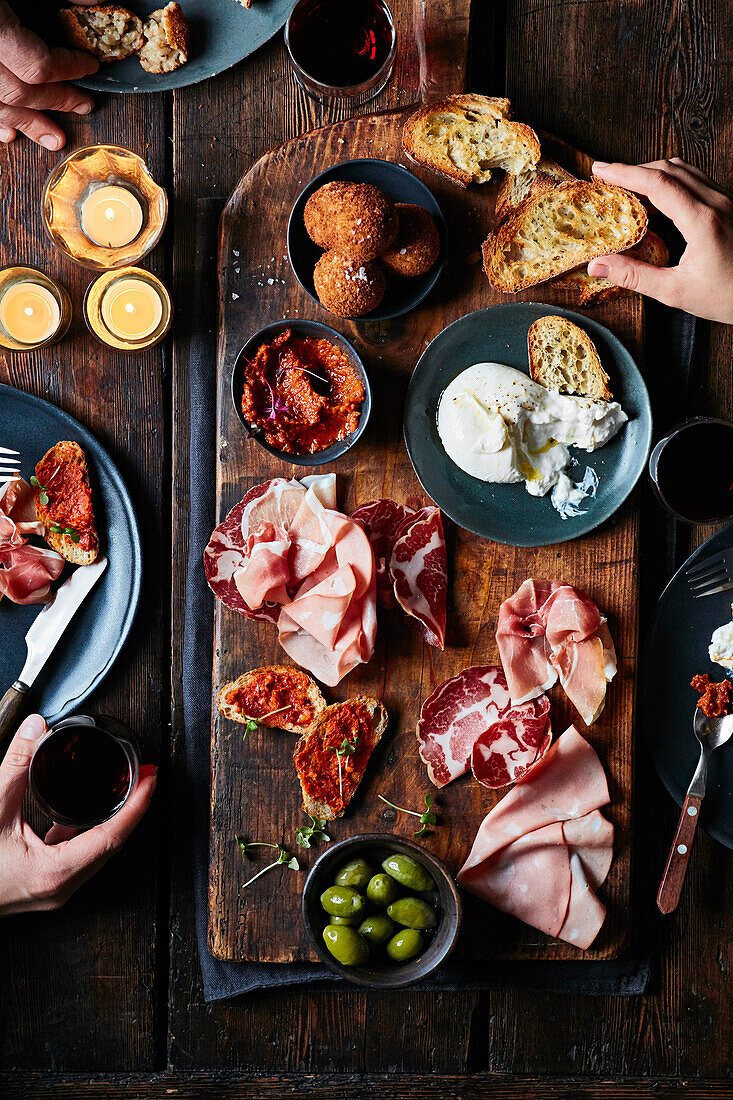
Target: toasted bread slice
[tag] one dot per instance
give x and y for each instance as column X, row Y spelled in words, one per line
column 583, row 289
column 166, row 40
column 516, row 189
column 64, row 503
column 317, row 760
column 464, row 137
column 108, row 31
column 261, row 694
column 563, row 358
column 559, row 230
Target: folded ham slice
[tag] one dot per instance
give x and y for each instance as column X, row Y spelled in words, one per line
column 545, row 848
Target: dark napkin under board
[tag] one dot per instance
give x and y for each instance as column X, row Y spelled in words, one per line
column 625, row 976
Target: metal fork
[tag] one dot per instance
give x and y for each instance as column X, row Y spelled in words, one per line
column 711, row 575
column 9, row 463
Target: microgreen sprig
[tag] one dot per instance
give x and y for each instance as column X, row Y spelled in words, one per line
column 71, row 532
column 254, row 723
column 283, row 856
column 428, row 817
column 43, row 491
column 304, row 834
column 347, row 748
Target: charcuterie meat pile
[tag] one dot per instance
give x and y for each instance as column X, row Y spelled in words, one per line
column 27, row 571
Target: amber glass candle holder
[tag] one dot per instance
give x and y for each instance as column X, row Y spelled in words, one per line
column 34, row 310
column 128, row 309
column 74, row 180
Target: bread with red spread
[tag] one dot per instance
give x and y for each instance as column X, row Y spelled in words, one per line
column 64, row 503
column 261, row 693
column 360, row 722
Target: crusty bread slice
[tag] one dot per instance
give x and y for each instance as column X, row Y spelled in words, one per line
column 563, row 358
column 516, row 189
column 231, row 702
column 312, row 747
column 464, row 137
column 582, row 289
column 64, row 453
column 559, row 230
column 166, row 40
column 108, row 31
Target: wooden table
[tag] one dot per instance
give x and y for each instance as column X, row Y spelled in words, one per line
column 104, row 997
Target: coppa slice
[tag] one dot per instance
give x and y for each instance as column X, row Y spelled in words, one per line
column 382, row 519
column 418, row 566
column 274, row 696
column 64, row 503
column 506, row 751
column 345, row 736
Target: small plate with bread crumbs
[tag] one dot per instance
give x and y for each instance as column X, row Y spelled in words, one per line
column 149, row 46
column 527, row 424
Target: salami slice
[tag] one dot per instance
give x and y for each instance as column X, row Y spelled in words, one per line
column 226, row 552
column 506, row 750
column 418, row 566
column 381, row 519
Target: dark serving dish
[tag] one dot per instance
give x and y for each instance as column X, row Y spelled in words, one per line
column 317, row 331
column 402, row 294
column 374, row 847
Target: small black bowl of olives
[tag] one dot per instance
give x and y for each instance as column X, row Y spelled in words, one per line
column 380, row 910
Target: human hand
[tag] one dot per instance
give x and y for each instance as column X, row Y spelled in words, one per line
column 702, row 282
column 43, row 874
column 32, row 77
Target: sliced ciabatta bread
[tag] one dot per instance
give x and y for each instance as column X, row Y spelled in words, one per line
column 563, row 358
column 582, row 289
column 559, row 230
column 516, row 189
column 64, row 503
column 275, row 696
column 108, row 31
column 166, row 40
column 331, row 759
column 465, row 137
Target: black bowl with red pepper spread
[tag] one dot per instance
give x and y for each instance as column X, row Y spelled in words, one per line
column 301, row 391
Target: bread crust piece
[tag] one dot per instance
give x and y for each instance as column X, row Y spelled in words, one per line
column 563, row 358
column 66, row 452
column 378, row 718
column 516, row 189
column 582, row 289
column 464, row 136
column 559, row 230
column 225, row 699
column 169, row 24
column 74, row 20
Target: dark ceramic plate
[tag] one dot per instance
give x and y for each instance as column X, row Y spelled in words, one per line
column 319, row 332
column 507, row 513
column 675, row 648
column 402, row 294
column 374, row 847
column 95, row 636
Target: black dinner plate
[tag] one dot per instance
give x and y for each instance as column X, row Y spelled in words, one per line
column 94, row 638
column 675, row 649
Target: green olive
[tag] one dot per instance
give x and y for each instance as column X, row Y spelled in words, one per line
column 408, row 872
column 405, row 945
column 351, row 922
column 377, row 929
column 382, row 889
column 412, row 913
column 346, row 945
column 356, row 873
column 342, row 901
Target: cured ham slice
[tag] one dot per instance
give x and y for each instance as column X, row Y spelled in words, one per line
column 418, row 566
column 382, row 519
column 549, row 631
column 469, row 721
column 544, row 849
column 27, row 572
column 18, row 504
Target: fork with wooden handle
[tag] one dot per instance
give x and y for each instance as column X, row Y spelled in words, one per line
column 711, row 733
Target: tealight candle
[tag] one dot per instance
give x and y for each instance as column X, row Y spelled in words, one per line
column 129, row 309
column 111, row 216
column 34, row 311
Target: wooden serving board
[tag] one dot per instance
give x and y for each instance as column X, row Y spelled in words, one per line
column 255, row 790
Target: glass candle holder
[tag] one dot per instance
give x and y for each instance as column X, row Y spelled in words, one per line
column 102, row 207
column 341, row 50
column 34, row 310
column 129, row 309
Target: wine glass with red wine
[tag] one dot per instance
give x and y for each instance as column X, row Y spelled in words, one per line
column 691, row 470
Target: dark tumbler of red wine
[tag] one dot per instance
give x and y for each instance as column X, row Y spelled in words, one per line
column 84, row 770
column 691, row 470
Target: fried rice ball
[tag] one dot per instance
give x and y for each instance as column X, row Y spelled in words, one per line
column 355, row 219
column 347, row 287
column 417, row 244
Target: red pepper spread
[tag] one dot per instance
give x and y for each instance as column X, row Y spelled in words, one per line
column 715, row 699
column 65, row 482
column 317, row 761
column 277, row 696
column 303, row 393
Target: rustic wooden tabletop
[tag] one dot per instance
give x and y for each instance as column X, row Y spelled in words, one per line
column 104, row 997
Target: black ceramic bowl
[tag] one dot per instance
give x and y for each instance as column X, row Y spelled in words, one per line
column 374, row 847
column 319, row 332
column 402, row 295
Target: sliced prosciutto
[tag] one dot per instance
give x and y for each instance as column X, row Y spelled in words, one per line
column 541, row 853
column 549, row 631
column 469, row 721
column 27, row 572
column 382, row 519
column 418, row 567
column 18, row 505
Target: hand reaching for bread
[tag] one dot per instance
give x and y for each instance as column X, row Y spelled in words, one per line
column 702, row 282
